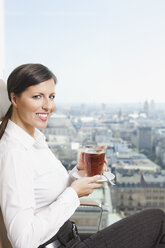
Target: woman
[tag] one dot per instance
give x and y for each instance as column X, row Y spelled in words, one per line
column 37, row 196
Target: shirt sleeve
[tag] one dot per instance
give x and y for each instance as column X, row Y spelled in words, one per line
column 26, row 227
column 71, row 174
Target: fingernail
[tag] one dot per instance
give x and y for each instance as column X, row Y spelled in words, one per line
column 99, row 177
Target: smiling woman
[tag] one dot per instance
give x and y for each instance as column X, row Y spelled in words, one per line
column 34, row 106
column 37, row 195
column 31, row 92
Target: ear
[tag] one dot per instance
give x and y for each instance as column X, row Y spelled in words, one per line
column 13, row 99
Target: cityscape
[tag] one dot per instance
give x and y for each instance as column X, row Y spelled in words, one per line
column 109, row 66
column 135, row 138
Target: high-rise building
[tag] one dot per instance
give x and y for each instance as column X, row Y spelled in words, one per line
column 145, row 139
column 146, row 108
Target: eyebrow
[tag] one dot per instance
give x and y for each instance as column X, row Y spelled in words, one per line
column 53, row 93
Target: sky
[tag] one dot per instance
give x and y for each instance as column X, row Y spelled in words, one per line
column 101, row 51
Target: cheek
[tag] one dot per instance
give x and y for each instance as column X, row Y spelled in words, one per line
column 30, row 106
column 53, row 106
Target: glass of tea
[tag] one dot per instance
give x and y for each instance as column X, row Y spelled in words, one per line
column 94, row 161
column 80, row 157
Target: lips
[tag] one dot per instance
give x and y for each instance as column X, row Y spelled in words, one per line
column 43, row 116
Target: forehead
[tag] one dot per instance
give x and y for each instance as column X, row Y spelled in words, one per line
column 46, row 86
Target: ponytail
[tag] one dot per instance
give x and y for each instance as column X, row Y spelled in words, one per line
column 5, row 121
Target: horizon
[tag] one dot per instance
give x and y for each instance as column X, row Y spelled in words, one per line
column 102, row 103
column 100, row 51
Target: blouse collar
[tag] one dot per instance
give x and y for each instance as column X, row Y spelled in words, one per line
column 26, row 139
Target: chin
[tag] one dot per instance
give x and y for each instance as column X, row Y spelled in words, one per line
column 42, row 126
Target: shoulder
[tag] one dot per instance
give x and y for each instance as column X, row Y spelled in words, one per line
column 12, row 152
column 10, row 145
column 14, row 163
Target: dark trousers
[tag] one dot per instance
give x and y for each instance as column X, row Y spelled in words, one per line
column 142, row 230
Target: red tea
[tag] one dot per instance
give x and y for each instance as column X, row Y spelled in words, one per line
column 94, row 162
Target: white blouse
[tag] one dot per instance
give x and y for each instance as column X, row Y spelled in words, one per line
column 35, row 196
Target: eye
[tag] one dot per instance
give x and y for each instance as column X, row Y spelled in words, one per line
column 52, row 97
column 37, row 97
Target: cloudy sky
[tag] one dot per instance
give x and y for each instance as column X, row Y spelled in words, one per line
column 100, row 50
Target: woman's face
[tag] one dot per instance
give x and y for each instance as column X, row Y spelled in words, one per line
column 35, row 105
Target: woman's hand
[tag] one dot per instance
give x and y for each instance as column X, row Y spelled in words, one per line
column 85, row 185
column 105, row 167
column 80, row 164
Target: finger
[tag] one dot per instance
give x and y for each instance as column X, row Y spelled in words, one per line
column 80, row 165
column 85, row 195
column 96, row 185
column 81, row 156
column 102, row 147
column 94, row 178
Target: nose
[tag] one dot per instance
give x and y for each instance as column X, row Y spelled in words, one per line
column 48, row 105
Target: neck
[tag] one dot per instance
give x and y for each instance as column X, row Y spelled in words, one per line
column 27, row 128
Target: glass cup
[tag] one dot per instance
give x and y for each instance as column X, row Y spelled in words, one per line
column 94, row 161
column 80, row 157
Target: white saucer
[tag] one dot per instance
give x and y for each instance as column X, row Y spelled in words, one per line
column 108, row 174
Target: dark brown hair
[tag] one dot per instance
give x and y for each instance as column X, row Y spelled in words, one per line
column 21, row 78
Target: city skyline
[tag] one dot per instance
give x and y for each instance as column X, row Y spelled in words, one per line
column 100, row 51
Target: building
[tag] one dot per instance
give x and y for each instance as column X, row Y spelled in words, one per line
column 134, row 161
column 160, row 151
column 60, row 124
column 146, row 108
column 145, row 139
column 136, row 191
